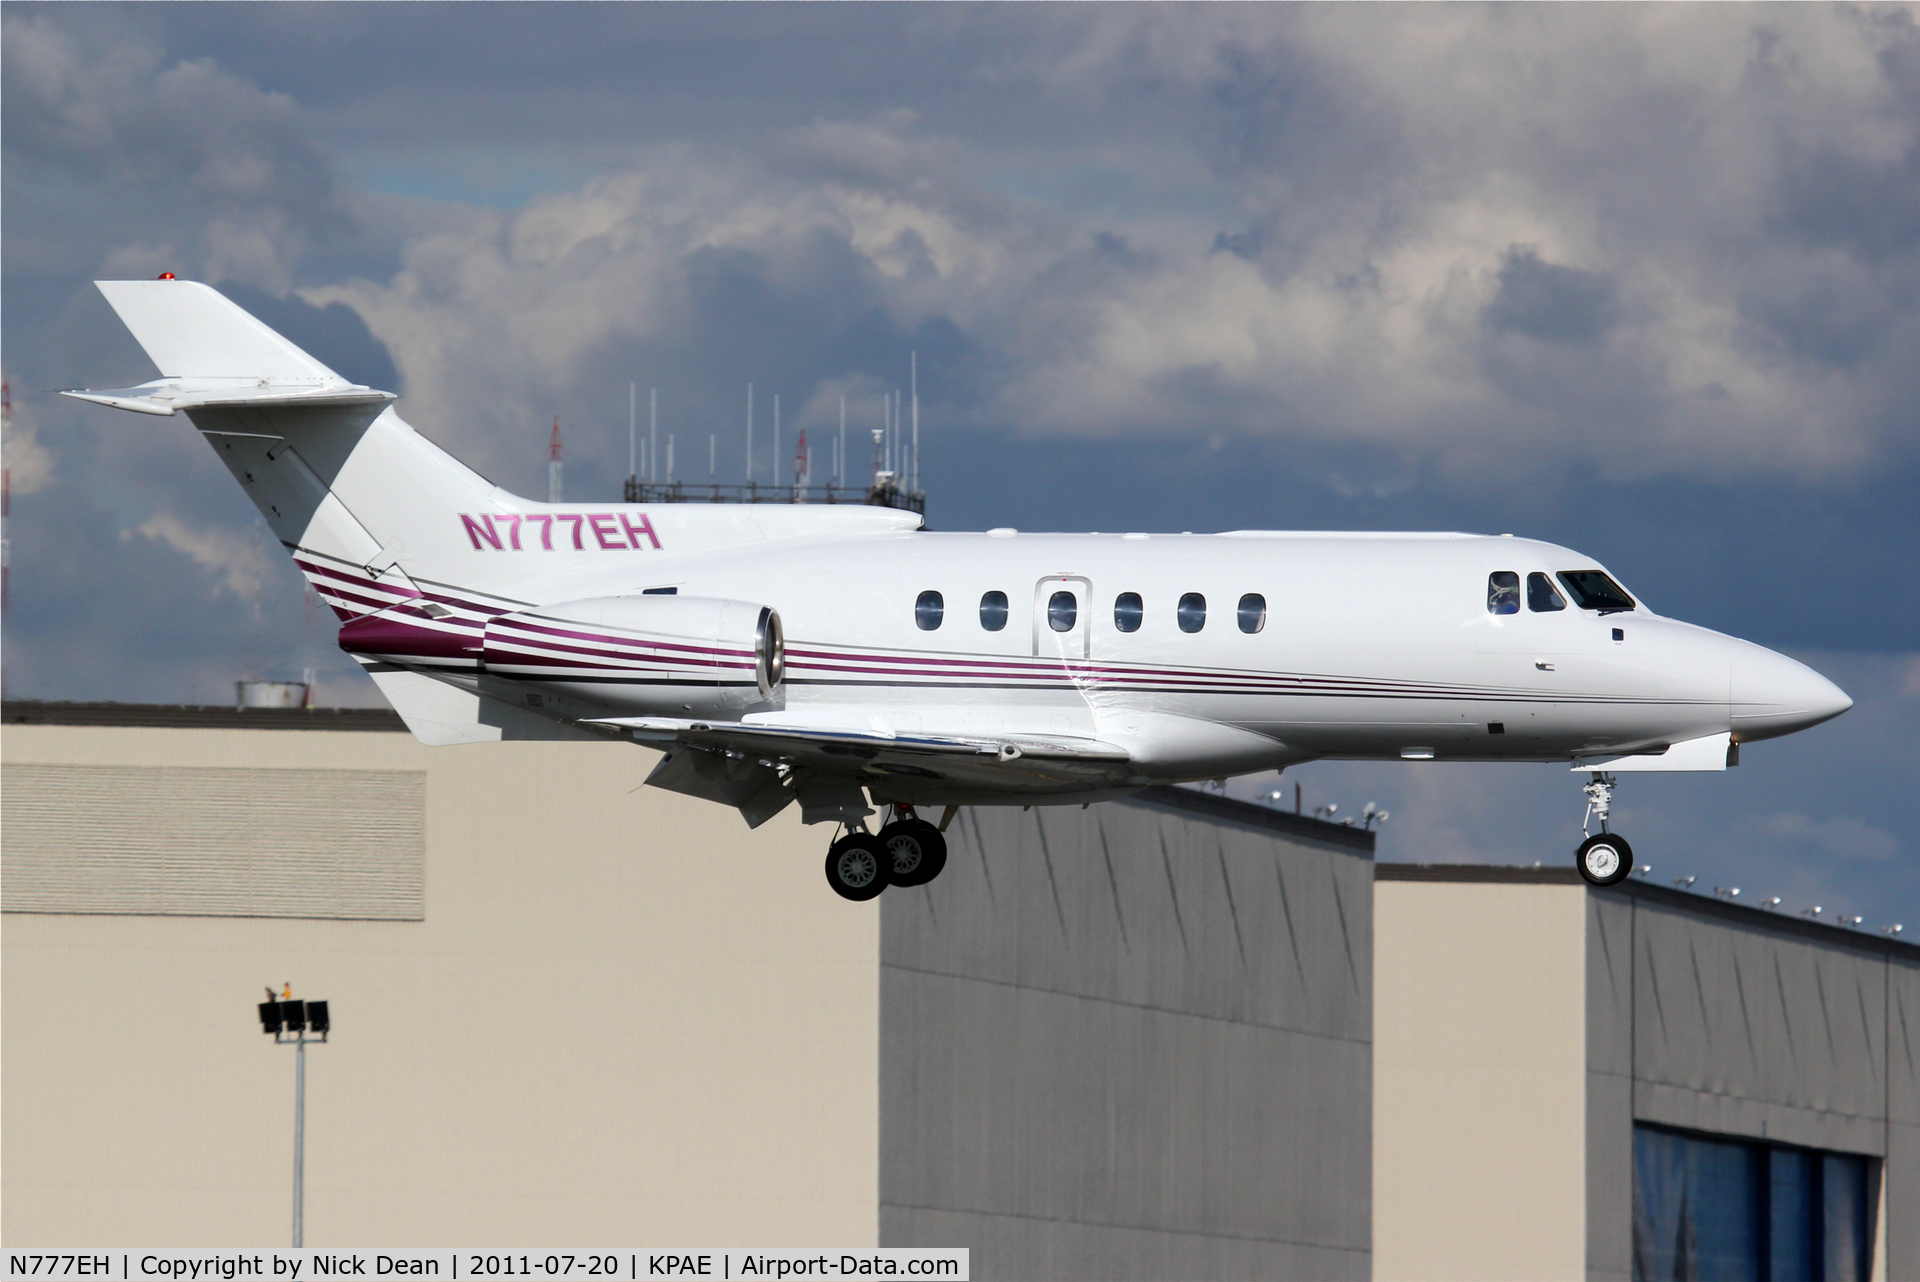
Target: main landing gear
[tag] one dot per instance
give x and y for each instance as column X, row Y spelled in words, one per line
column 1605, row 858
column 906, row 852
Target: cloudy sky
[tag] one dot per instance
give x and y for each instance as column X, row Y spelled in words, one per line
column 1641, row 280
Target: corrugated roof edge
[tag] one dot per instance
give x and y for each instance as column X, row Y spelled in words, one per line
column 1246, row 812
column 1659, row 896
column 26, row 712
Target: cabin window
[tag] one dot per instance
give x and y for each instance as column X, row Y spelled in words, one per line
column 1062, row 610
column 928, row 610
column 1541, row 596
column 1503, row 592
column 1191, row 612
column 1592, row 590
column 1252, row 612
column 993, row 611
column 1128, row 610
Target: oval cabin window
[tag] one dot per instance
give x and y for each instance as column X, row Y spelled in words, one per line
column 1128, row 610
column 928, row 610
column 1062, row 611
column 1252, row 612
column 1192, row 612
column 993, row 611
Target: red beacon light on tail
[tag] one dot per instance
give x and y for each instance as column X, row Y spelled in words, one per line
column 165, row 276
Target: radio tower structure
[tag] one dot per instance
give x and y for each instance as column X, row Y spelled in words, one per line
column 554, row 465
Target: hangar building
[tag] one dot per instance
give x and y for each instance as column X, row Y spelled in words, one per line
column 1130, row 1040
column 1175, row 1036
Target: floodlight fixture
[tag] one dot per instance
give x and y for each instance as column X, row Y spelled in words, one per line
column 293, row 1022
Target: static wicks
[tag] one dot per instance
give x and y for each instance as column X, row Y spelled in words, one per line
column 653, row 433
column 749, row 433
column 914, row 375
column 840, row 454
column 632, row 389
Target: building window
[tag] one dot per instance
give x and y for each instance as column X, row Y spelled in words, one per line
column 928, row 609
column 1252, row 612
column 993, row 611
column 1128, row 610
column 1713, row 1207
column 1192, row 612
column 1062, row 610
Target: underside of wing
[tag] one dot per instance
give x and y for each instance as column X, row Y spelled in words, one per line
column 760, row 768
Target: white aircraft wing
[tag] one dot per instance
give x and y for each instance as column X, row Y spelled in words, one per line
column 740, row 763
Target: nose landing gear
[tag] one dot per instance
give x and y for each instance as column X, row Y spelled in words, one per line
column 906, row 852
column 1605, row 858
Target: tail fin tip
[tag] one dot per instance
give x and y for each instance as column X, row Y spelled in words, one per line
column 191, row 330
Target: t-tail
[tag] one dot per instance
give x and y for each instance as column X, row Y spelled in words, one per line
column 413, row 550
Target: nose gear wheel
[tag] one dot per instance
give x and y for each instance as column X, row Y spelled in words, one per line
column 1604, row 858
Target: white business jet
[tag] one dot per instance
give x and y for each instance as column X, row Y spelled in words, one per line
column 843, row 658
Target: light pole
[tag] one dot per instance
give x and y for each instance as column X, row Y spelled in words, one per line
column 290, row 1021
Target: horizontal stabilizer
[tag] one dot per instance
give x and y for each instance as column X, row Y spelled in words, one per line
column 171, row 395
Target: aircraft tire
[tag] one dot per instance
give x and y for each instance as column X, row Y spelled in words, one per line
column 857, row 867
column 1604, row 859
column 917, row 851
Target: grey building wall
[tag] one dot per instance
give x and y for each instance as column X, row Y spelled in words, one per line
column 1735, row 1021
column 1697, row 1014
column 1133, row 1041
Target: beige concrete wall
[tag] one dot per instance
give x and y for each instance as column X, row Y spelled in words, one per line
column 626, row 1019
column 1479, row 1081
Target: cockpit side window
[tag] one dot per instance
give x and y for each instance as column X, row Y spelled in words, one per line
column 1592, row 590
column 1503, row 592
column 1541, row 596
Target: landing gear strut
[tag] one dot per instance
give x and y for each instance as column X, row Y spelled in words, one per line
column 909, row 851
column 1605, row 858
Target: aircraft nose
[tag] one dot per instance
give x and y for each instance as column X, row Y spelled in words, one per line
column 1773, row 695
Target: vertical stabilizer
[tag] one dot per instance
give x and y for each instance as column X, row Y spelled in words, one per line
column 191, row 330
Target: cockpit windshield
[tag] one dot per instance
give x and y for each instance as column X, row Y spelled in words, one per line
column 1592, row 590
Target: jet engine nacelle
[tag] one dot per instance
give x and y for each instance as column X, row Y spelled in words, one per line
column 677, row 655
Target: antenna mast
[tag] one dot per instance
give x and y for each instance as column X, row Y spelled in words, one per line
column 6, row 493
